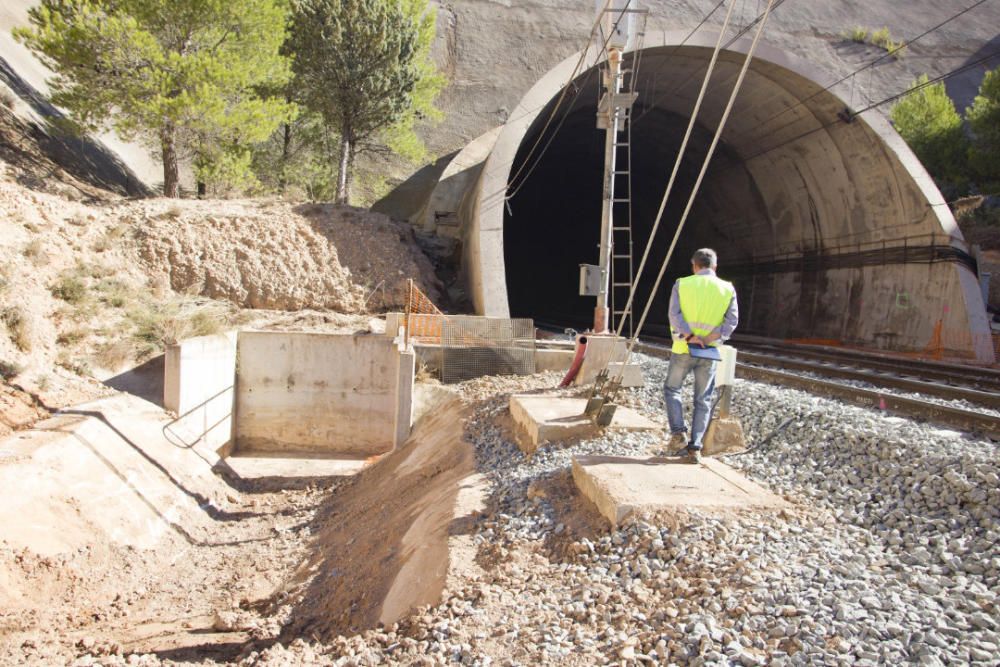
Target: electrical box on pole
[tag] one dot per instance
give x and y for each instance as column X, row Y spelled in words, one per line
column 617, row 22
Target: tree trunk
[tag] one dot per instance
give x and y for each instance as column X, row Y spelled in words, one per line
column 168, row 144
column 286, row 146
column 343, row 192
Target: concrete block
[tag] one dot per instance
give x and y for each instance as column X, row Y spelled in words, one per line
column 404, row 396
column 632, row 376
column 198, row 379
column 553, row 360
column 621, row 486
column 325, row 394
column 539, row 419
column 602, row 352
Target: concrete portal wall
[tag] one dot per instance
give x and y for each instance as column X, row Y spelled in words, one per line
column 198, row 380
column 806, row 184
column 321, row 393
column 924, row 308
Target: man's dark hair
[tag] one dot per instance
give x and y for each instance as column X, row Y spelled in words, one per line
column 705, row 258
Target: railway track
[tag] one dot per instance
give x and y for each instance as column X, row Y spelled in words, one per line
column 823, row 371
column 954, row 417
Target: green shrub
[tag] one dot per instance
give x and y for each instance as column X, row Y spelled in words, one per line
column 880, row 38
column 984, row 121
column 857, row 34
column 929, row 123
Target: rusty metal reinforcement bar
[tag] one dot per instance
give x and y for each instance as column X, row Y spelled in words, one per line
column 986, row 398
column 964, row 420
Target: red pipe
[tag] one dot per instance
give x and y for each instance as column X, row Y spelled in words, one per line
column 574, row 368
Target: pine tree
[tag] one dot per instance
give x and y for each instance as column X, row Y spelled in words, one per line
column 984, row 121
column 364, row 66
column 180, row 74
column 929, row 123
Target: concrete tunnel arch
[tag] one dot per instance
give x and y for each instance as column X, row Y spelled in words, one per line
column 833, row 234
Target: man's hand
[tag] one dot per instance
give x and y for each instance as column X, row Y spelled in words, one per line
column 696, row 340
column 712, row 337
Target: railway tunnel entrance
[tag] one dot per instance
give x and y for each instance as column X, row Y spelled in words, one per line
column 827, row 223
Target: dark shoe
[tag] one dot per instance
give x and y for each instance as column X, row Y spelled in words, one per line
column 689, row 455
column 678, row 441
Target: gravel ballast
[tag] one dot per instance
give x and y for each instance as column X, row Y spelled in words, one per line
column 889, row 554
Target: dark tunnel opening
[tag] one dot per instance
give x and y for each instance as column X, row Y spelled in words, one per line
column 553, row 222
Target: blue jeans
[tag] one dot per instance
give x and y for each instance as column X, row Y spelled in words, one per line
column 704, row 387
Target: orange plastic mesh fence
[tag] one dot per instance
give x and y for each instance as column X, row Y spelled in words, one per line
column 422, row 319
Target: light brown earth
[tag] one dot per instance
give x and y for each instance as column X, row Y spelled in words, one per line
column 92, row 284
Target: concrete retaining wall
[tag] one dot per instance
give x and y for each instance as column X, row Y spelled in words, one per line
column 322, row 393
column 199, row 374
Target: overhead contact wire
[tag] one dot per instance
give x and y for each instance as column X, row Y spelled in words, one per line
column 562, row 97
column 869, row 65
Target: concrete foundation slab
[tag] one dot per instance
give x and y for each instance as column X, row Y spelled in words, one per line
column 621, row 486
column 540, row 419
column 254, row 467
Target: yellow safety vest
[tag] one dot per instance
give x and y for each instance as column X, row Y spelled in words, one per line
column 704, row 302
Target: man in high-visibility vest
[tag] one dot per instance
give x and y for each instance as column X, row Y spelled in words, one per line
column 703, row 314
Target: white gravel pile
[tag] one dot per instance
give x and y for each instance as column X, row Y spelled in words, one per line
column 889, row 556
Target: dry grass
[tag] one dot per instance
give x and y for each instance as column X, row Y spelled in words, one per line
column 110, row 238
column 19, row 325
column 7, row 98
column 165, row 325
column 71, row 337
column 116, row 354
column 9, row 369
column 35, row 251
column 114, row 293
column 70, row 288
column 77, row 366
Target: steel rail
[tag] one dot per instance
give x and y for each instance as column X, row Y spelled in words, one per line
column 986, row 398
column 964, row 420
column 969, row 376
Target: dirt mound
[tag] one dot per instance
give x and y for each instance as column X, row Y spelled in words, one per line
column 381, row 544
column 356, row 232
column 269, row 255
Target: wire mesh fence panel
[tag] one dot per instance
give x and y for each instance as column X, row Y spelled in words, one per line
column 477, row 346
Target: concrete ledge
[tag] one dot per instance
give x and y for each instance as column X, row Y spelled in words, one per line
column 621, row 486
column 607, row 351
column 540, row 419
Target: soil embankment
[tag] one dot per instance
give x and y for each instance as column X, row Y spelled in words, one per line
column 381, row 545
